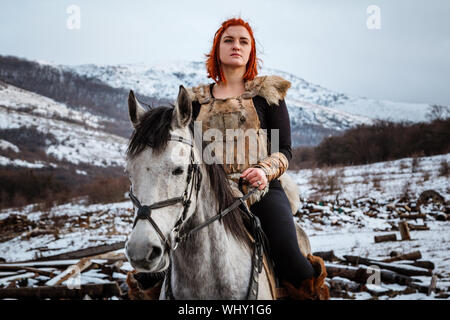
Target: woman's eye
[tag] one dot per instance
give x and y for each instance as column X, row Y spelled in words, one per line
column 177, row 171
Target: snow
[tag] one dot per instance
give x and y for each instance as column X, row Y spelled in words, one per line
column 24, row 101
column 342, row 226
column 393, row 176
column 5, row 145
column 307, row 102
column 21, row 163
column 79, row 139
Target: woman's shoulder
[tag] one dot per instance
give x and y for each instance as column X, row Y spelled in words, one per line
column 272, row 88
column 200, row 93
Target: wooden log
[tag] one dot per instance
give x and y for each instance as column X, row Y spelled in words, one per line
column 83, row 253
column 418, row 227
column 386, row 237
column 424, row 264
column 17, row 277
column 358, row 275
column 4, row 274
column 415, row 255
column 388, row 276
column 432, row 286
column 30, row 269
column 404, row 230
column 402, row 269
column 413, row 216
column 71, row 271
column 104, row 290
column 52, row 264
column 326, row 255
column 344, row 285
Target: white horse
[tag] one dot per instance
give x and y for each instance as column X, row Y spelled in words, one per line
column 215, row 262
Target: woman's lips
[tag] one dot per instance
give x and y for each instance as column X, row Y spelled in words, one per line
column 235, row 55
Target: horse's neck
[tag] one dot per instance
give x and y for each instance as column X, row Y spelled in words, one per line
column 211, row 264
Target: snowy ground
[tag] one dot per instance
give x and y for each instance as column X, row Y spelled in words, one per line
column 348, row 226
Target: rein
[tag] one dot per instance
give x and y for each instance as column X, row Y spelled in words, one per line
column 176, row 237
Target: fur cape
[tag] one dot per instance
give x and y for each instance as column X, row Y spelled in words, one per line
column 272, row 88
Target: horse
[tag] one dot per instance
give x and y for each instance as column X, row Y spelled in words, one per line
column 175, row 194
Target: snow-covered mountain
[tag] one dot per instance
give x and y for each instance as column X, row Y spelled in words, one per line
column 315, row 112
column 68, row 135
column 307, row 102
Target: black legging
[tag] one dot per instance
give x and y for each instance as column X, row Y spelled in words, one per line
column 275, row 214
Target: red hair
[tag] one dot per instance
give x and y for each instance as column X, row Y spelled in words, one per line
column 213, row 66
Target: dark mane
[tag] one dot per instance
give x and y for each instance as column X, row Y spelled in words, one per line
column 153, row 131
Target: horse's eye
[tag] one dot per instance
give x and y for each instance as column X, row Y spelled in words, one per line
column 177, row 171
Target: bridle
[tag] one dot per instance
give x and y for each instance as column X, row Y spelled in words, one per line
column 145, row 211
column 193, row 180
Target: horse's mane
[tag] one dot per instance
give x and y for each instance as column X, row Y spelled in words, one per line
column 154, row 131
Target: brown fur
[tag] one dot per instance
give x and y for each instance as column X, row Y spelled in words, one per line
column 136, row 293
column 272, row 88
column 312, row 288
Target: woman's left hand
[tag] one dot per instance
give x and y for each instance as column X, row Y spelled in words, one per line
column 255, row 175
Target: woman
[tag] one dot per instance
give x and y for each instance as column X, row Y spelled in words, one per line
column 240, row 100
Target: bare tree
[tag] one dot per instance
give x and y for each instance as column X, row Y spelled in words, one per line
column 438, row 112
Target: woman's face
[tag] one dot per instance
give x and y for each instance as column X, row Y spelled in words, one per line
column 235, row 47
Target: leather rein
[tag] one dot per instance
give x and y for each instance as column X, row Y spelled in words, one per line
column 176, row 236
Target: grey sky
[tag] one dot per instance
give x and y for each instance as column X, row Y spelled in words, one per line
column 324, row 42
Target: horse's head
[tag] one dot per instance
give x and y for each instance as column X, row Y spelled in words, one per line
column 159, row 161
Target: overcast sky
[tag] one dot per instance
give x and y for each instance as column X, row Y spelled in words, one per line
column 325, row 42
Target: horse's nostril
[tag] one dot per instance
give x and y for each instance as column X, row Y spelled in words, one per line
column 156, row 252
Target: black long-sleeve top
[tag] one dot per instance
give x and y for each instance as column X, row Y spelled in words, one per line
column 270, row 117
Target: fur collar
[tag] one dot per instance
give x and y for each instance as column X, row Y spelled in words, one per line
column 271, row 88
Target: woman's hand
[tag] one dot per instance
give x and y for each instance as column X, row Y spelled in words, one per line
column 255, row 175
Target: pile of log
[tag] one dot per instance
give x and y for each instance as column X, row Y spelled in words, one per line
column 352, row 274
column 57, row 276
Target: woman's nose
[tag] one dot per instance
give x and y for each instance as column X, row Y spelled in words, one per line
column 236, row 45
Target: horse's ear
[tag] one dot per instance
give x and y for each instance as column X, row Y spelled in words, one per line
column 135, row 110
column 183, row 109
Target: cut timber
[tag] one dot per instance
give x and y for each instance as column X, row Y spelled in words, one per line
column 359, row 275
column 326, row 255
column 432, row 286
column 423, row 264
column 418, row 227
column 51, row 264
column 71, row 271
column 415, row 255
column 17, row 277
column 110, row 256
column 402, row 269
column 386, row 237
column 404, row 230
column 30, row 269
column 344, row 284
column 413, row 216
column 104, row 290
column 83, row 253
